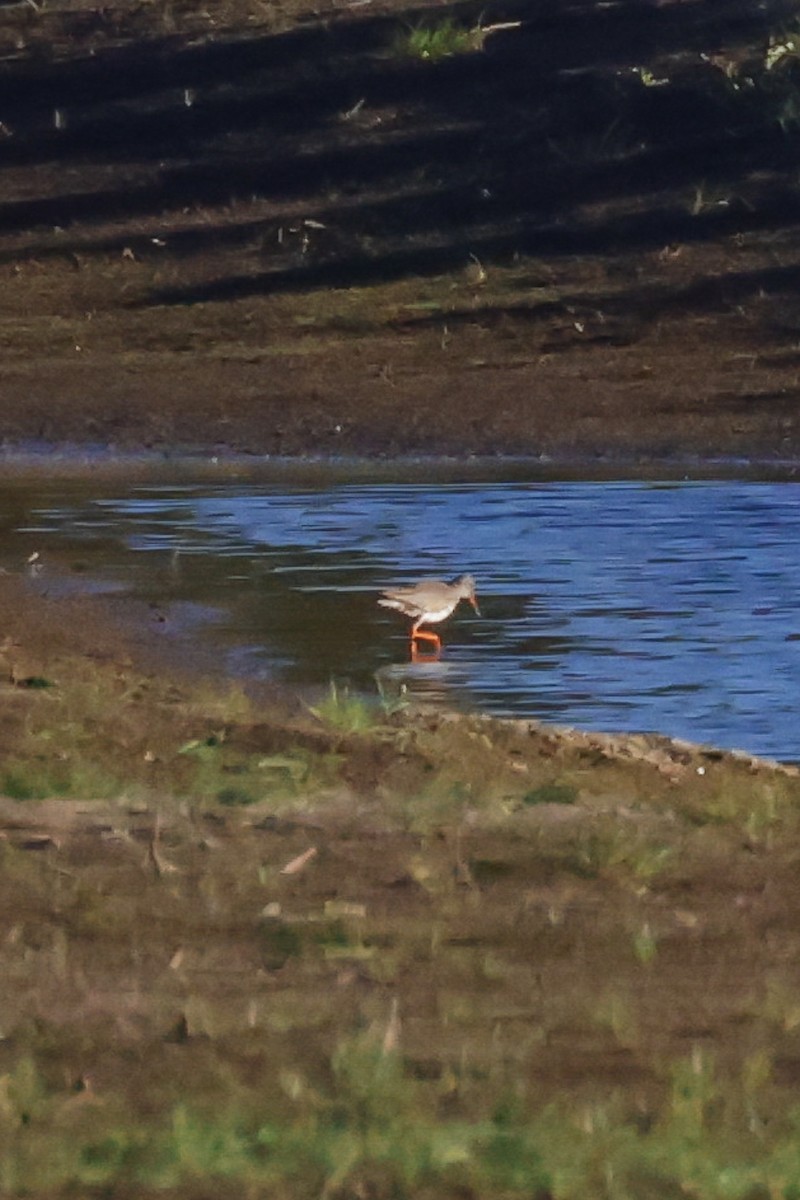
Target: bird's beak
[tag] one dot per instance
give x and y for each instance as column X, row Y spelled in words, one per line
column 474, row 604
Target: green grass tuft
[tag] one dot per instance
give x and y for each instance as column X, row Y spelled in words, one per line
column 344, row 712
column 432, row 43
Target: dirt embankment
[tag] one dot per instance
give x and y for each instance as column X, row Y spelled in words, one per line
column 572, row 234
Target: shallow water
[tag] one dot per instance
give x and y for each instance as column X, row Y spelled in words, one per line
column 615, row 605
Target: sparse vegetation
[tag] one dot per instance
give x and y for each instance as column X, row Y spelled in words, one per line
column 344, row 711
column 645, row 944
column 433, row 41
column 372, row 1126
column 276, row 961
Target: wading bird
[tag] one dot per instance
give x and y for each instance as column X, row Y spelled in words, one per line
column 427, row 603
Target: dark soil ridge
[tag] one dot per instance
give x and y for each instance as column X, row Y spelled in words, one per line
column 475, row 116
column 302, row 240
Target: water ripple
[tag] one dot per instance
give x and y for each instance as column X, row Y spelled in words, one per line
column 607, row 605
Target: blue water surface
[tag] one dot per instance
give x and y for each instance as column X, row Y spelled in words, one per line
column 626, row 605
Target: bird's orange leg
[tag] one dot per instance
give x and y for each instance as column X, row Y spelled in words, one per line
column 424, row 635
column 425, row 656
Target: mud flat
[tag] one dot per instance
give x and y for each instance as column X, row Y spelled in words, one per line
column 296, row 231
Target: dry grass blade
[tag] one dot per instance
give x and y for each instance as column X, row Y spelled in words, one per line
column 298, row 864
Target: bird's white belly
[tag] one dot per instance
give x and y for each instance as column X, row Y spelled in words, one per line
column 437, row 614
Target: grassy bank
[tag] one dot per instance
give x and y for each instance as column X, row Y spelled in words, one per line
column 263, row 949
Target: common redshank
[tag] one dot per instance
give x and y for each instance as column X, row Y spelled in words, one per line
column 429, row 602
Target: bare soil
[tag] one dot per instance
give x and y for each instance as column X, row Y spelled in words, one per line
column 276, row 231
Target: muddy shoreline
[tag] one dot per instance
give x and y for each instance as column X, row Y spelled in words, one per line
column 395, row 405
